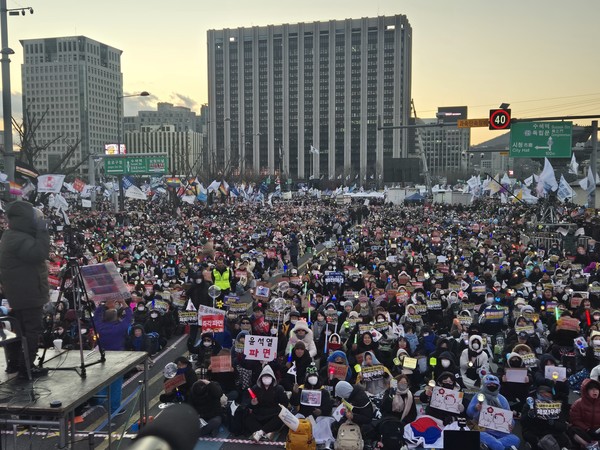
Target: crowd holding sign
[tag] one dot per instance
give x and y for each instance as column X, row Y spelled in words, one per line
column 446, row 399
column 260, row 348
column 213, row 323
column 547, row 410
column 497, row 419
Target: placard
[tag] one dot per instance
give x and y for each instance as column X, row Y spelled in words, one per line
column 289, row 419
column 434, row 305
column 220, row 364
column 478, row 289
column 514, row 375
column 555, row 373
column 495, row 418
column 547, row 410
column 260, row 348
column 465, row 320
column 309, row 397
column 339, row 371
column 103, row 283
column 529, row 360
column 190, row 317
column 213, row 323
column 175, row 382
column 525, row 328
column 409, row 363
column 334, row 277
column 208, row 311
column 494, row 315
column 568, row 323
column 372, row 373
column 262, row 292
column 446, row 399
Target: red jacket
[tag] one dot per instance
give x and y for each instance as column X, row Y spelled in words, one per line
column 585, row 412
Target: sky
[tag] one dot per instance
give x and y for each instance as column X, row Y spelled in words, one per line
column 539, row 56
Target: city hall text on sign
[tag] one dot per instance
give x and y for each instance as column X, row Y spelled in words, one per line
column 541, row 140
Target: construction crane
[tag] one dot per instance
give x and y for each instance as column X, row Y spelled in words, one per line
column 421, row 150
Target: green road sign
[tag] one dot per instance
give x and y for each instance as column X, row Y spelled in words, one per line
column 136, row 165
column 541, row 139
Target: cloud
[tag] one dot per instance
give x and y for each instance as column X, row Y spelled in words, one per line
column 132, row 105
column 183, row 100
column 16, row 99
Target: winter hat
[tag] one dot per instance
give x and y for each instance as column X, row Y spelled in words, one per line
column 300, row 345
column 491, row 379
column 348, row 303
column 343, row 389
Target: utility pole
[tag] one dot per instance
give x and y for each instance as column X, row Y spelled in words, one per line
column 594, row 161
column 9, row 154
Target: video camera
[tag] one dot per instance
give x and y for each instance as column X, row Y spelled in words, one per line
column 74, row 241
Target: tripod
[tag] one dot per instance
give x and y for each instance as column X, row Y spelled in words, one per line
column 83, row 305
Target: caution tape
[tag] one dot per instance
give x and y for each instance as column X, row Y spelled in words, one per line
column 242, row 441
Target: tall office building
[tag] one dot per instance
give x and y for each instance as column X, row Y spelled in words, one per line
column 275, row 91
column 445, row 147
column 180, row 117
column 76, row 84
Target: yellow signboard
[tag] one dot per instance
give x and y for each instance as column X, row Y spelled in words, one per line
column 470, row 123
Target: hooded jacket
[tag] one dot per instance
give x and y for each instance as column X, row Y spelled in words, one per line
column 24, row 249
column 206, row 398
column 331, row 359
column 269, row 398
column 479, row 358
column 585, row 412
column 308, row 340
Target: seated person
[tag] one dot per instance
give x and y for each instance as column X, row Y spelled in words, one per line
column 263, row 409
column 585, row 414
column 208, row 347
column 398, row 402
column 206, row 399
column 373, row 376
column 535, row 424
column 495, row 440
column 181, row 393
column 301, row 360
column 446, row 380
column 136, row 340
column 361, row 413
column 312, row 383
column 515, row 392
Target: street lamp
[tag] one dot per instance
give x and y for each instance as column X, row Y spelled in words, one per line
column 9, row 154
column 120, row 177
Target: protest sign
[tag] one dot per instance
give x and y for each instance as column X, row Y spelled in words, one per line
column 497, row 419
column 103, row 283
column 220, row 364
column 175, row 382
column 529, row 360
column 526, row 328
column 213, row 323
column 568, row 323
column 339, row 371
column 493, row 315
column 207, row 311
column 260, row 348
column 310, row 397
column 555, row 373
column 291, row 421
column 413, row 318
column 262, row 292
column 190, row 317
column 465, row 320
column 409, row 363
column 547, row 410
column 334, row 277
column 372, row 373
column 434, row 305
column 446, row 399
column 516, row 375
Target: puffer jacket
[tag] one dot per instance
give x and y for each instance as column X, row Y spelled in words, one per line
column 585, row 412
column 24, row 249
column 308, row 340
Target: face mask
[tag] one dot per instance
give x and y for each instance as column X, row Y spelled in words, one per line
column 475, row 345
column 207, row 343
column 448, row 385
column 313, row 380
column 492, row 388
column 293, row 322
column 380, row 320
column 402, row 387
column 445, row 363
column 273, row 331
column 267, row 381
column 140, row 308
column 198, row 280
column 154, row 316
column 596, row 342
column 489, row 301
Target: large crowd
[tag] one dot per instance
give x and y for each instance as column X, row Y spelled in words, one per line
column 378, row 323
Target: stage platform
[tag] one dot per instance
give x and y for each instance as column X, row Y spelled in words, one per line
column 25, row 402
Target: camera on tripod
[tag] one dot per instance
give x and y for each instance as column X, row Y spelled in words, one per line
column 74, row 241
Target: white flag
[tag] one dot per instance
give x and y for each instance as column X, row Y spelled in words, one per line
column 564, row 190
column 547, row 180
column 591, row 182
column 50, row 183
column 135, row 193
column 214, row 186
column 573, row 166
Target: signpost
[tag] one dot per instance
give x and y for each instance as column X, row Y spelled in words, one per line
column 136, row 165
column 541, row 139
column 499, row 119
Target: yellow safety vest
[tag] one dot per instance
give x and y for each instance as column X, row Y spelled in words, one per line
column 222, row 280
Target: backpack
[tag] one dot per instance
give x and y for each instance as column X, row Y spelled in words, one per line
column 349, row 437
column 302, row 438
column 392, row 434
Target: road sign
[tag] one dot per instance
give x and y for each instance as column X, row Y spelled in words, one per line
column 470, row 123
column 499, row 119
column 136, row 165
column 541, row 139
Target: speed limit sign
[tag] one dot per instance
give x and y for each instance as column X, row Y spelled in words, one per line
column 499, row 119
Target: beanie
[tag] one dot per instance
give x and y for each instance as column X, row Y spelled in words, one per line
column 311, row 370
column 348, row 303
column 300, row 345
column 343, row 389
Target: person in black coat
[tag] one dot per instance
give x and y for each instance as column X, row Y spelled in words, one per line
column 301, row 359
column 197, row 293
column 398, row 402
column 535, row 426
column 181, row 393
column 446, row 362
column 362, row 412
column 263, row 408
column 447, row 381
column 313, row 382
column 206, row 399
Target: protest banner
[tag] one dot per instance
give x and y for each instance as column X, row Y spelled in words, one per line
column 478, row 289
column 446, row 399
column 547, row 410
column 494, row 315
column 338, row 371
column 413, row 318
column 207, row 310
column 104, row 283
column 372, row 373
column 213, row 323
column 434, row 305
column 220, row 364
column 497, row 419
column 568, row 323
column 260, row 348
column 465, row 320
column 309, row 397
column 334, row 277
column 421, row 308
column 524, row 328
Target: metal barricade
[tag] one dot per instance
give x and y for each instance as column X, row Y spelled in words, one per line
column 546, row 239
